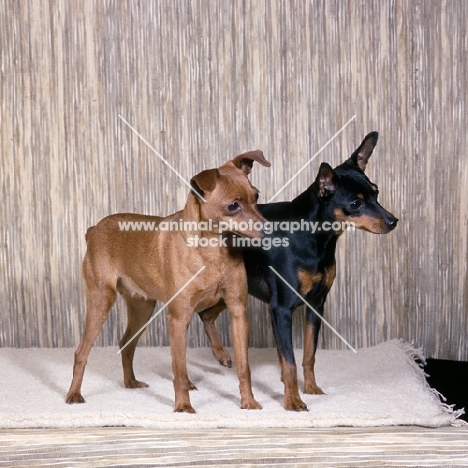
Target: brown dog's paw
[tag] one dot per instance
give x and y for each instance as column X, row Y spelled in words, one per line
column 74, row 398
column 184, row 408
column 294, row 404
column 135, row 384
column 222, row 356
column 313, row 389
column 225, row 363
column 251, row 403
column 192, row 386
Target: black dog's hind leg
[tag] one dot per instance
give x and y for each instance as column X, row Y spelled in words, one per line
column 311, row 333
column 281, row 318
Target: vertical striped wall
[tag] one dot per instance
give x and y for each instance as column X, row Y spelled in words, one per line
column 203, row 81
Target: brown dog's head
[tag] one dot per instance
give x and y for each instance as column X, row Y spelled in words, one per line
column 230, row 198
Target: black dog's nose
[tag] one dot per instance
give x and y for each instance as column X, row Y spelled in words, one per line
column 391, row 223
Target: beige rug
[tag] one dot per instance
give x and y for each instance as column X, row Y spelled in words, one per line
column 378, row 386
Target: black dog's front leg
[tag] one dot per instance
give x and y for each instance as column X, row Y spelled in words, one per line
column 281, row 318
column 311, row 333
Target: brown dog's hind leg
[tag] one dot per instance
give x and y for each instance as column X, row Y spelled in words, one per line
column 208, row 318
column 98, row 303
column 138, row 312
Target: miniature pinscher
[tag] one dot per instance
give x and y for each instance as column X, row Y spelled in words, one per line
column 307, row 263
column 146, row 266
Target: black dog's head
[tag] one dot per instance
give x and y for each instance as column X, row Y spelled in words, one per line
column 348, row 195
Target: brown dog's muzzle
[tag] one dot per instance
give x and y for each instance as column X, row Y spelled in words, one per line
column 258, row 227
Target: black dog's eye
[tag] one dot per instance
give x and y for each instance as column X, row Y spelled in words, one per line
column 355, row 205
column 233, row 207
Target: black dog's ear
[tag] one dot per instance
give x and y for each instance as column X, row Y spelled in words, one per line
column 245, row 160
column 325, row 182
column 204, row 182
column 360, row 157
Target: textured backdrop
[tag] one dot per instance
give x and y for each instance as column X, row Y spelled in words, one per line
column 203, row 81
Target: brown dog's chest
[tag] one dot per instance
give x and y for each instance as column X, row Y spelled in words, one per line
column 213, row 291
column 208, row 299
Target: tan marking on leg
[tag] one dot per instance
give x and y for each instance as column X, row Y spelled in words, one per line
column 292, row 400
column 308, row 362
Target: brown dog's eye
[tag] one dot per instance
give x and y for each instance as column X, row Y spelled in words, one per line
column 233, row 207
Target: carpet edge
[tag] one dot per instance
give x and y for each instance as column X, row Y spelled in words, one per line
column 417, row 354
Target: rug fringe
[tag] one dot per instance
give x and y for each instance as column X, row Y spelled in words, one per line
column 418, row 360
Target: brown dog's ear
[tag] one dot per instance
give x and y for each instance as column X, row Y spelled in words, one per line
column 245, row 160
column 360, row 157
column 204, row 182
column 325, row 182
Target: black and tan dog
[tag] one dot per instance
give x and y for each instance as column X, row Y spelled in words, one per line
column 146, row 266
column 308, row 262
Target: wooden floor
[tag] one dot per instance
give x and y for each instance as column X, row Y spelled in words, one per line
column 340, row 447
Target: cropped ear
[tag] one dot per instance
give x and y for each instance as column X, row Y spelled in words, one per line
column 245, row 160
column 360, row 157
column 325, row 182
column 204, row 182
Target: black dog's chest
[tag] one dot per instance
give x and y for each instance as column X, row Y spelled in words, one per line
column 315, row 283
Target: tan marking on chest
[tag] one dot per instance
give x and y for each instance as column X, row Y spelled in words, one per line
column 329, row 276
column 307, row 280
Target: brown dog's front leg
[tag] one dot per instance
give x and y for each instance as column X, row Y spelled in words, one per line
column 239, row 332
column 179, row 321
column 208, row 318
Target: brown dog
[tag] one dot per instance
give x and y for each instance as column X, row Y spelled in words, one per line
column 150, row 265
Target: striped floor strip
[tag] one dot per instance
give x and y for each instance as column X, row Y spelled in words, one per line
column 339, row 447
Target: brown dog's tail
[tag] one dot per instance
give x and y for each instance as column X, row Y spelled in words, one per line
column 88, row 232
